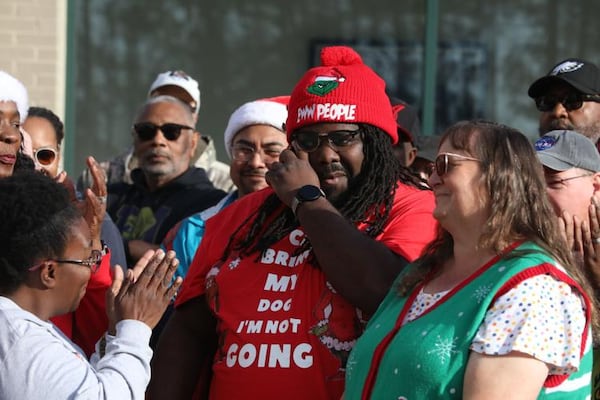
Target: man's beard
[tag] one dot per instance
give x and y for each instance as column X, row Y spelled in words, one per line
column 156, row 169
column 340, row 199
column 592, row 132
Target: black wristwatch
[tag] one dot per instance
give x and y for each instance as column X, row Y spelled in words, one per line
column 306, row 193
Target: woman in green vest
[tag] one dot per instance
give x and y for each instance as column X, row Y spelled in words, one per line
column 494, row 308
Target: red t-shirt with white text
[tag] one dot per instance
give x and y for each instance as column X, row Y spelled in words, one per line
column 283, row 330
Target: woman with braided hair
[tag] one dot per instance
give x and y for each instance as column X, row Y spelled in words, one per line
column 285, row 278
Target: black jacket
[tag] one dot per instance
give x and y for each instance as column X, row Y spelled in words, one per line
column 141, row 214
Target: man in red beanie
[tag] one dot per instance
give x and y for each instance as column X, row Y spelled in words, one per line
column 288, row 276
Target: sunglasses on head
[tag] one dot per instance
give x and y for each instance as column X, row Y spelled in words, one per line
column 443, row 165
column 147, row 130
column 309, row 141
column 44, row 155
column 571, row 101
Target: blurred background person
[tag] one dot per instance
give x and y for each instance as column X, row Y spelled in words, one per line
column 178, row 84
column 14, row 103
column 86, row 324
column 568, row 97
column 166, row 188
column 413, row 150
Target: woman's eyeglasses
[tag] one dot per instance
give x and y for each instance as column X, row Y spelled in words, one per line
column 45, row 156
column 147, row 130
column 571, row 101
column 309, row 141
column 93, row 263
column 443, row 164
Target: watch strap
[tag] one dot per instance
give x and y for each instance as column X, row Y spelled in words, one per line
column 299, row 199
column 294, row 205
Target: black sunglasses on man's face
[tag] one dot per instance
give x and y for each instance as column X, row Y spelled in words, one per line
column 571, row 101
column 147, row 130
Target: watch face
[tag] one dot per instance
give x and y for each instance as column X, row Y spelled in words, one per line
column 309, row 193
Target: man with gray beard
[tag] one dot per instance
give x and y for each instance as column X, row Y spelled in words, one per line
column 165, row 188
column 568, row 98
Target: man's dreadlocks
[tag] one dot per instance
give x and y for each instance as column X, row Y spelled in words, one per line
column 369, row 198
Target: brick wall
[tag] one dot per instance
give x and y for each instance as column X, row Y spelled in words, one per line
column 33, row 48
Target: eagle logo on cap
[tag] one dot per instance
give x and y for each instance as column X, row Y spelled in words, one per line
column 324, row 84
column 567, row 66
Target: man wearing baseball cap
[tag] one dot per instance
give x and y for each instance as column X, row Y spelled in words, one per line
column 572, row 170
column 285, row 278
column 409, row 128
column 411, row 149
column 180, row 85
column 568, row 97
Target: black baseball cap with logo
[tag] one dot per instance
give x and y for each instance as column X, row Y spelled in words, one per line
column 581, row 74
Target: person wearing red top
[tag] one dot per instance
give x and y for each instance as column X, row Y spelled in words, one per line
column 88, row 323
column 285, row 278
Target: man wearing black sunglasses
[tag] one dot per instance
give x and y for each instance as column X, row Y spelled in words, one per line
column 165, row 188
column 568, row 97
column 180, row 85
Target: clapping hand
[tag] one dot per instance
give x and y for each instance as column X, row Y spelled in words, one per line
column 591, row 242
column 94, row 206
column 583, row 237
column 145, row 291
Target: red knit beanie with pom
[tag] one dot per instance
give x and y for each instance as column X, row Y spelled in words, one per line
column 342, row 90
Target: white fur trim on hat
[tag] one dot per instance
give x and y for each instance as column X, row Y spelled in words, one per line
column 11, row 89
column 181, row 79
column 271, row 111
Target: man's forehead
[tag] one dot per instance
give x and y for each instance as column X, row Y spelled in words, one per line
column 8, row 107
column 552, row 174
column 260, row 134
column 169, row 111
column 175, row 91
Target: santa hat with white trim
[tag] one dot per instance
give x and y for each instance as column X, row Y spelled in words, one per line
column 269, row 111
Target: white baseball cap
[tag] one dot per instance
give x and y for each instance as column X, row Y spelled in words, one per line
column 180, row 79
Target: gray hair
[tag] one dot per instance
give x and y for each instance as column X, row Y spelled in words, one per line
column 167, row 99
